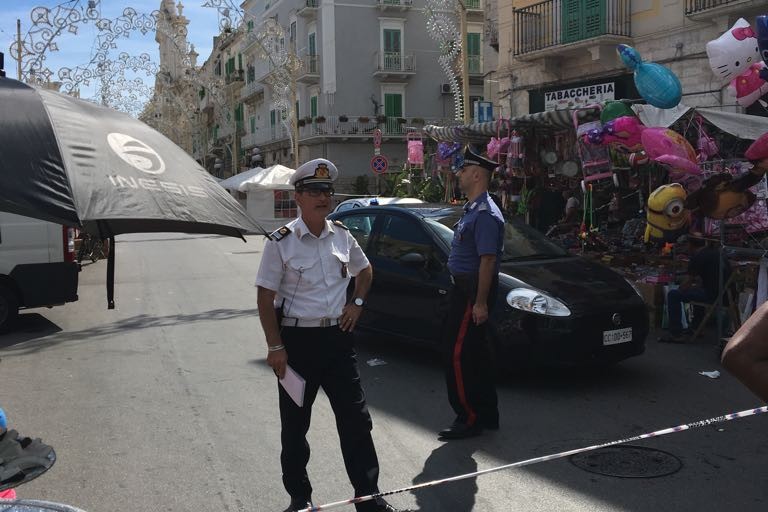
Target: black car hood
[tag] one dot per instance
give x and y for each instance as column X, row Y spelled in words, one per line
column 580, row 284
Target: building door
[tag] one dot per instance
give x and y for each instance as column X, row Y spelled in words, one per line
column 393, row 48
column 473, row 52
column 393, row 108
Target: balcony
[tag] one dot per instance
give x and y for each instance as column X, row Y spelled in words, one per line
column 709, row 9
column 492, row 34
column 249, row 141
column 394, row 65
column 361, row 128
column 555, row 27
column 394, row 5
column 309, row 8
column 310, row 70
column 252, row 91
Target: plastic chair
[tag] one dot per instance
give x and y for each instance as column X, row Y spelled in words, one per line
column 729, row 302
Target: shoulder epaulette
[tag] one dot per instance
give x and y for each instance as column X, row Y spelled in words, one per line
column 338, row 223
column 482, row 207
column 279, row 234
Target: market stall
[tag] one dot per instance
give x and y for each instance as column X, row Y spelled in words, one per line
column 266, row 194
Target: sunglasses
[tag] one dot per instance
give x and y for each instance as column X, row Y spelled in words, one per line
column 315, row 192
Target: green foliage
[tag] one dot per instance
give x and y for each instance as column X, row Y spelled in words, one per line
column 360, row 185
column 414, row 184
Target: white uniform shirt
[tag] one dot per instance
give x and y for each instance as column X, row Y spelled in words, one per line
column 307, row 271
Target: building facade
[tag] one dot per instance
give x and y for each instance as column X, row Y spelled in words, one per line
column 562, row 53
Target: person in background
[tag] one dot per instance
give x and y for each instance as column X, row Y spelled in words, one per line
column 8, row 494
column 701, row 284
column 474, row 262
column 308, row 322
column 571, row 213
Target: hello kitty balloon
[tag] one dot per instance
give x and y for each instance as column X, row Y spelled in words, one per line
column 734, row 52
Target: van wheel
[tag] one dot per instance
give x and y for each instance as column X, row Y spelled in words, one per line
column 9, row 308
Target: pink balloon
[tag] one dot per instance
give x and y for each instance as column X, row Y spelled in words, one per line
column 759, row 149
column 678, row 164
column 626, row 134
column 663, row 141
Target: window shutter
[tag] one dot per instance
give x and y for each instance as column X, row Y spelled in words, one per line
column 572, row 21
column 594, row 18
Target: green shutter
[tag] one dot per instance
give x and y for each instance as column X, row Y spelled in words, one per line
column 313, row 106
column 594, row 18
column 393, row 105
column 239, row 61
column 582, row 19
column 473, row 44
column 253, row 124
column 272, row 118
column 312, row 44
column 392, row 40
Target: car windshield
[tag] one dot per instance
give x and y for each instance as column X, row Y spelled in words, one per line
column 521, row 242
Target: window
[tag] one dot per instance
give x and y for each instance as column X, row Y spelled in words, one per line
column 293, row 32
column 217, row 68
column 285, row 204
column 393, row 105
column 313, row 106
column 393, row 56
column 401, row 236
column 360, row 227
column 473, row 53
column 252, row 123
column 272, row 117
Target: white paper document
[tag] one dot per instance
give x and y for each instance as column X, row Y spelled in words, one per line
column 294, row 384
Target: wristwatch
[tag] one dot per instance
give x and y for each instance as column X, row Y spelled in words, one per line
column 358, row 302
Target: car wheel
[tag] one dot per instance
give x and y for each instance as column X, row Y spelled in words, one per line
column 9, row 308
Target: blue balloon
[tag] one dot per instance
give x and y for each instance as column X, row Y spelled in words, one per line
column 656, row 84
column 3, row 419
column 761, row 22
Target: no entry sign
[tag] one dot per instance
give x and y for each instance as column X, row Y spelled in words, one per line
column 379, row 164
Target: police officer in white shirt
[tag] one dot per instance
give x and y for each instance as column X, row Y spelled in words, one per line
column 302, row 283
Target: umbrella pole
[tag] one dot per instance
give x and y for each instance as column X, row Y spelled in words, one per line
column 111, row 274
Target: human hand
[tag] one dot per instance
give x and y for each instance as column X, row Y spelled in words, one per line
column 278, row 360
column 479, row 313
column 349, row 316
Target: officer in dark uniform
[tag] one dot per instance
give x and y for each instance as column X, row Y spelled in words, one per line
column 474, row 265
column 308, row 323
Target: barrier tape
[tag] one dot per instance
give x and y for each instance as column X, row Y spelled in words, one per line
column 545, row 458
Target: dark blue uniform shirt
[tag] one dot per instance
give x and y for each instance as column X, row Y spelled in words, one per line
column 480, row 231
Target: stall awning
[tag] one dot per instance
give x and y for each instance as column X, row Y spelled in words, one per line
column 480, row 132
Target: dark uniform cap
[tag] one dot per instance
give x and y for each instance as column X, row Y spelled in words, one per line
column 472, row 158
column 318, row 173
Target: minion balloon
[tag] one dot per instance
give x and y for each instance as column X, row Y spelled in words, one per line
column 666, row 215
column 656, row 84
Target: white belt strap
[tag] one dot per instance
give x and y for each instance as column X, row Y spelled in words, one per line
column 309, row 322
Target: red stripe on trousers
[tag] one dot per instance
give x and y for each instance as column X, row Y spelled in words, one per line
column 471, row 416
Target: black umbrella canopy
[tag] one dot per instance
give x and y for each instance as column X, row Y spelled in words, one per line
column 72, row 162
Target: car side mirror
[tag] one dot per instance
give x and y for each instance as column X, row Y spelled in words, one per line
column 413, row 259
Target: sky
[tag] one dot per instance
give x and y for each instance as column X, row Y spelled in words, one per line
column 77, row 49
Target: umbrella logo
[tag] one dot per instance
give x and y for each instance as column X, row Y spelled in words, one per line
column 136, row 154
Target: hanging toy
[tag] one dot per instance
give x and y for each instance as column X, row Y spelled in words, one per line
column 671, row 149
column 658, row 85
column 705, row 144
column 666, row 214
column 498, row 146
column 761, row 22
column 415, row 150
column 723, row 197
column 516, row 153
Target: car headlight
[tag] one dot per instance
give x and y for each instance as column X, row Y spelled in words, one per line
column 533, row 301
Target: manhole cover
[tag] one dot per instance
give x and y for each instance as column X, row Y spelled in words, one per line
column 628, row 462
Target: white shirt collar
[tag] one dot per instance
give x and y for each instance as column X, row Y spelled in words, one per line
column 301, row 229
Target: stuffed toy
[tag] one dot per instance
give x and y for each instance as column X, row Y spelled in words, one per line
column 666, row 213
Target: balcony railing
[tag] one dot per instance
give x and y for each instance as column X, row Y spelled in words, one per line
column 249, row 141
column 472, row 5
column 395, row 62
column 398, row 4
column 354, row 127
column 558, row 22
column 697, row 6
column 251, row 89
column 309, row 8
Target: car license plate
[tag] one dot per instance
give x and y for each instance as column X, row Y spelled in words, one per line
column 617, row 336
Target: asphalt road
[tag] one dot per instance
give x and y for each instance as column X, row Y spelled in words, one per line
column 166, row 404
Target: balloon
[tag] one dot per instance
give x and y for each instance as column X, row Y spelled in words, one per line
column 749, row 86
column 656, row 84
column 759, row 149
column 762, row 41
column 678, row 164
column 624, row 134
column 663, row 141
column 613, row 109
column 734, row 52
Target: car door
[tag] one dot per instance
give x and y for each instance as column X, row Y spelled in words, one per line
column 410, row 279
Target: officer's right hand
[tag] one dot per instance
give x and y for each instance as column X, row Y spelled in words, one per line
column 277, row 361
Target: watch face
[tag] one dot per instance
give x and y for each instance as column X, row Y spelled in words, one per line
column 358, row 301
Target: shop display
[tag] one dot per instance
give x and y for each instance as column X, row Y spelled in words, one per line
column 667, row 216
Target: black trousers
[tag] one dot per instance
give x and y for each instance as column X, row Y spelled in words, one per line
column 325, row 357
column 470, row 370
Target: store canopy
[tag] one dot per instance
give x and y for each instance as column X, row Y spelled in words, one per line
column 233, row 183
column 743, row 126
column 480, row 132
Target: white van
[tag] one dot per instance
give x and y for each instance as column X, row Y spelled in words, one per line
column 37, row 266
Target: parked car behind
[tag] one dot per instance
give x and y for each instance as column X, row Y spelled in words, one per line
column 552, row 306
column 360, row 202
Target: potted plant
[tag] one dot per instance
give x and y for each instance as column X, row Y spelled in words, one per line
column 343, row 118
column 363, row 120
column 380, row 119
column 401, row 120
column 418, row 121
column 308, row 120
column 301, row 123
column 320, row 119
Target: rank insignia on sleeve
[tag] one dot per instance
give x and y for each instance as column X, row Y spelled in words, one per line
column 339, row 223
column 279, row 234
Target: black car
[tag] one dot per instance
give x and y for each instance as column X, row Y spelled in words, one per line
column 552, row 306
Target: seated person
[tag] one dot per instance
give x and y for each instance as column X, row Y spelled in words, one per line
column 701, row 285
column 571, row 215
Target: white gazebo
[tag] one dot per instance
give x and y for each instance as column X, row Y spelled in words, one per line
column 268, row 195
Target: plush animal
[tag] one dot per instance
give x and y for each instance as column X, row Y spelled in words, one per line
column 735, row 59
column 666, row 213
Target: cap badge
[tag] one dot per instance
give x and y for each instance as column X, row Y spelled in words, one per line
column 321, row 171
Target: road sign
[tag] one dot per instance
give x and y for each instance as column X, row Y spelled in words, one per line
column 379, row 164
column 483, row 111
column 377, row 138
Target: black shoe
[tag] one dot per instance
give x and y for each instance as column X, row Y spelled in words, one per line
column 300, row 504
column 490, row 425
column 461, row 431
column 382, row 506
